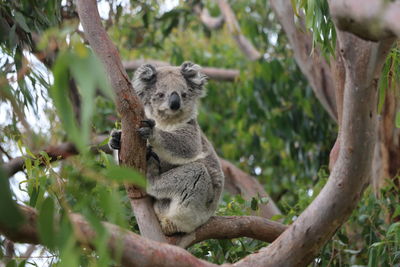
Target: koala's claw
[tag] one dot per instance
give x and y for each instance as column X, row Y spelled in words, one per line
column 152, row 158
column 145, row 132
column 147, row 128
column 148, row 123
column 115, row 140
column 168, row 227
column 151, row 154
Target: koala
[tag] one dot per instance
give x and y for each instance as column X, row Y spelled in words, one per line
column 183, row 171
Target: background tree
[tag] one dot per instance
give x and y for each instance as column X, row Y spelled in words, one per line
column 56, row 102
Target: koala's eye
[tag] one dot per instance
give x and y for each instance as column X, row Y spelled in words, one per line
column 184, row 95
column 160, row 95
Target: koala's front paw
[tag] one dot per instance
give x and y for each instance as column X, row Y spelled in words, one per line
column 115, row 140
column 147, row 128
column 153, row 161
column 168, row 227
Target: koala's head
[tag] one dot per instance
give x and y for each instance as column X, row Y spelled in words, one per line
column 170, row 94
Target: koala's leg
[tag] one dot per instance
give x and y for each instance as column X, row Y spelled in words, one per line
column 183, row 197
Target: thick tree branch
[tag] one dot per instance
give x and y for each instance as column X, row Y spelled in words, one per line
column 212, row 73
column 245, row 45
column 130, row 108
column 140, row 251
column 310, row 62
column 299, row 244
column 375, row 20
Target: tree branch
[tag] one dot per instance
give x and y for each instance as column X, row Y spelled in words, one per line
column 210, row 22
column 140, row 251
column 374, row 21
column 245, row 45
column 228, row 227
column 310, row 62
column 131, row 110
column 299, row 244
column 218, row 74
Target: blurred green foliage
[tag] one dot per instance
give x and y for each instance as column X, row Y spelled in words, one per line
column 268, row 122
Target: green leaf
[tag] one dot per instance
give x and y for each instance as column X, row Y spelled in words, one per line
column 394, row 227
column 125, row 174
column 9, row 213
column 46, row 223
column 254, row 204
column 69, row 254
column 398, row 119
column 373, row 257
column 59, row 93
column 12, row 263
column 343, row 238
column 21, row 21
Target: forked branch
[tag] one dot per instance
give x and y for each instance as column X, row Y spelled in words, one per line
column 140, row 251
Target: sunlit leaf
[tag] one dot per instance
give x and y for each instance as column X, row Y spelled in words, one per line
column 124, row 174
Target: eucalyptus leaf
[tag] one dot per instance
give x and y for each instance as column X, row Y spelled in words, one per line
column 46, row 223
column 10, row 216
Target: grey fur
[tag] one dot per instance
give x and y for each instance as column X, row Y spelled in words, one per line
column 187, row 181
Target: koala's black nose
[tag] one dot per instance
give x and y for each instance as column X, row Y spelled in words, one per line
column 174, row 101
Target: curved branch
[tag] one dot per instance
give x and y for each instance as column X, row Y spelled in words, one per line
column 210, row 22
column 131, row 110
column 213, row 73
column 309, row 60
column 376, row 20
column 299, row 244
column 245, row 45
column 140, row 251
column 228, row 227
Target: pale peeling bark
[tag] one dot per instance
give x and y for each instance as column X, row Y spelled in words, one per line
column 373, row 20
column 131, row 110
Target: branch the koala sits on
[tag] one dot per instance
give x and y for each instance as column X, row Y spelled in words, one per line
column 183, row 171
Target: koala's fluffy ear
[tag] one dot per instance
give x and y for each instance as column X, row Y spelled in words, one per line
column 144, row 76
column 193, row 75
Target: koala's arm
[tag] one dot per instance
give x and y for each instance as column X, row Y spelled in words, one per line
column 180, row 146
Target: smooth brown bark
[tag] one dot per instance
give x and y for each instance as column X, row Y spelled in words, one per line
column 228, row 227
column 131, row 110
column 140, row 251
